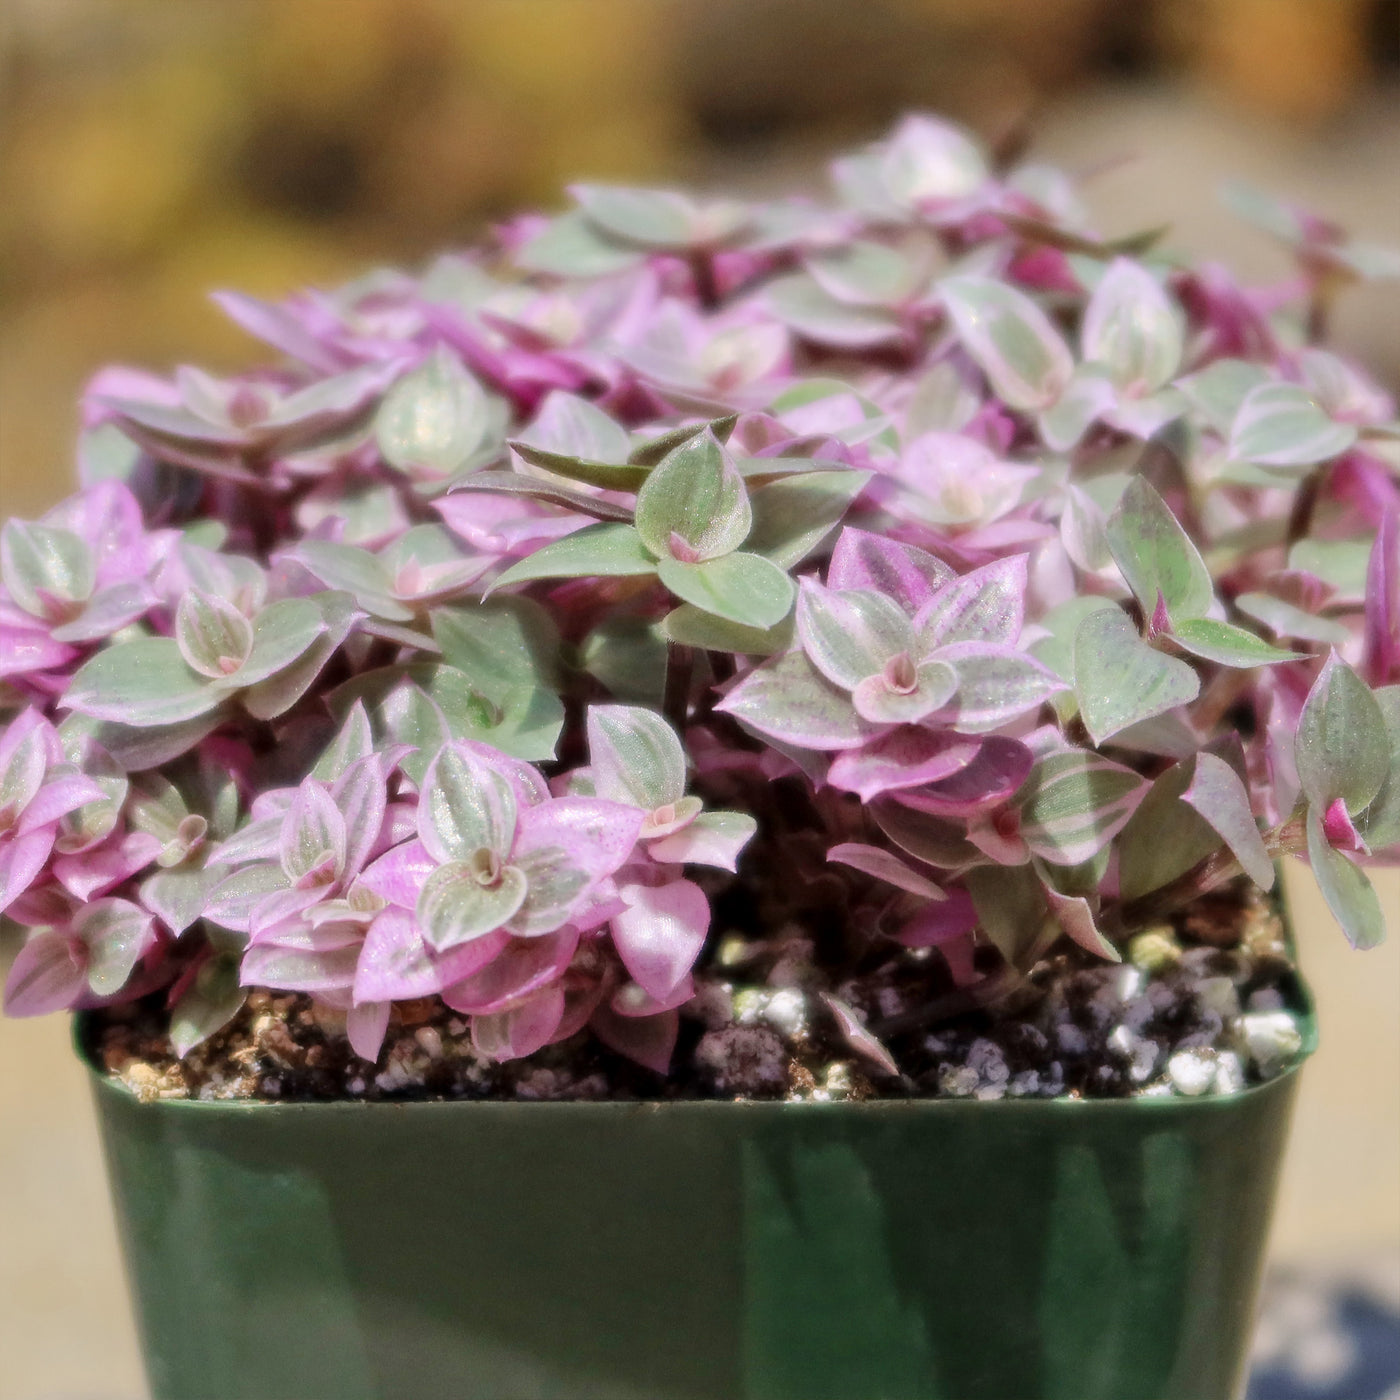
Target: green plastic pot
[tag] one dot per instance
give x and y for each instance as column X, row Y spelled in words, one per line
column 895, row 1250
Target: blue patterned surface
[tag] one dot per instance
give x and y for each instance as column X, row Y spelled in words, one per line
column 1333, row 1335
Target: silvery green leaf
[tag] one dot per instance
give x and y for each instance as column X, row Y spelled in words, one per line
column 353, row 741
column 1083, row 531
column 866, row 273
column 1342, row 563
column 1157, row 556
column 927, row 161
column 713, row 838
column 799, row 301
column 690, row 626
column 788, row 699
column 409, row 716
column 597, row 551
column 1379, row 824
column 1166, row 836
column 1342, row 747
column 1011, row 338
column 141, row 683
column 433, row 419
column 849, row 635
column 943, row 401
column 1086, row 398
column 1057, row 650
column 1132, row 328
column 635, row 755
column 105, row 453
column 659, row 218
column 1288, row 620
column 465, row 807
column 1227, row 644
column 503, row 641
column 1217, row 391
column 1349, row 894
column 983, row 605
column 214, row 998
column 1074, row 803
column 628, row 656
column 570, row 427
column 140, row 749
column 694, row 506
column 995, row 685
column 1263, row 210
column 1281, row 425
column 117, row 933
column 743, row 588
column 877, row 700
column 570, row 246
column 456, row 907
column 280, row 691
column 1119, row 680
column 313, row 833
column 357, row 571
column 213, row 636
column 41, row 566
column 232, row 901
column 282, row 631
column 177, row 897
column 1219, row 795
column 792, row 517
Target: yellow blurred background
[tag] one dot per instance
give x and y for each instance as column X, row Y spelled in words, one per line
column 151, row 150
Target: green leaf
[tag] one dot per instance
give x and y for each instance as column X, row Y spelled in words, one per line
column 455, row 907
column 282, row 631
column 357, row 571
column 1011, row 338
column 612, row 476
column 1156, row 555
column 659, row 218
column 1119, row 680
column 1342, row 563
column 793, row 516
column 469, row 806
column 1342, row 746
column 628, row 656
column 1349, row 893
column 1379, row 824
column 1287, row 620
column 1281, row 425
column 504, row 641
column 116, row 932
column 178, row 896
column 142, row 683
column 511, row 483
column 690, row 626
column 743, row 588
column 1226, row 644
column 214, row 998
column 597, row 551
column 1010, row 908
column 1166, row 836
column 694, row 505
column 1218, row 793
column 1074, row 803
column 1057, row 650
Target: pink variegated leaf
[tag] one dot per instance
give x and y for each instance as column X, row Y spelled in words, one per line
column 21, row 862
column 61, row 793
column 996, row 684
column 713, row 838
column 904, row 758
column 117, row 934
column 848, row 636
column 1076, row 918
column 904, row 693
column 1381, row 660
column 522, row 967
column 789, row 700
column 631, row 999
column 660, row 933
column 521, row 1030
column 467, row 805
column 885, row 865
column 365, row 1026
column 1218, row 794
column 396, row 964
column 1075, row 802
column 855, row 1034
column 938, row 924
column 398, row 875
column 360, row 795
column 311, row 845
column 49, row 973
column 268, row 965
column 993, row 776
column 986, row 605
column 649, row 1040
column 103, row 868
column 907, row 575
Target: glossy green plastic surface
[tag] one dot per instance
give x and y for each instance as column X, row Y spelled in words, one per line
column 897, row 1250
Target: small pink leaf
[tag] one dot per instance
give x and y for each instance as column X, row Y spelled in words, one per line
column 660, row 933
column 858, row 1038
column 49, row 973
column 885, row 865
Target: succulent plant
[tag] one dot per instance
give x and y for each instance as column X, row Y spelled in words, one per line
column 670, row 567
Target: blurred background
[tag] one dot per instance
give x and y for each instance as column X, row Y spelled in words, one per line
column 153, row 149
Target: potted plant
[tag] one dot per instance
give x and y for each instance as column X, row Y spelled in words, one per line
column 680, row 805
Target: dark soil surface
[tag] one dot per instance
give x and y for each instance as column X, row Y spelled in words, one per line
column 1198, row 1008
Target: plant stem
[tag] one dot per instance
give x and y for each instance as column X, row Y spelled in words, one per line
column 675, row 703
